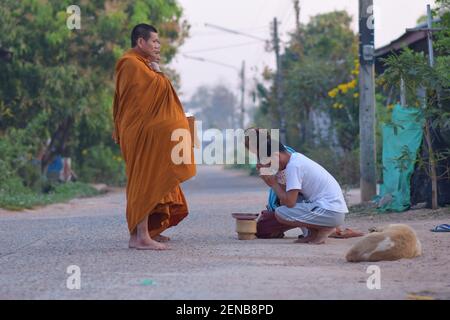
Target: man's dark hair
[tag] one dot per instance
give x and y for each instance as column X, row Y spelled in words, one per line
column 141, row 30
column 263, row 137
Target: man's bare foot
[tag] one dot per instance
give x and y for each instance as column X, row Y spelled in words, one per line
column 150, row 244
column 322, row 236
column 312, row 234
column 133, row 241
column 161, row 238
column 303, row 240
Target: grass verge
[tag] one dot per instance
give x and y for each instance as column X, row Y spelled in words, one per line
column 27, row 199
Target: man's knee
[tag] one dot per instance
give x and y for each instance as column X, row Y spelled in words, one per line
column 279, row 216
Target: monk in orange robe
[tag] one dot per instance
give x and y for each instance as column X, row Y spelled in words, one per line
column 146, row 112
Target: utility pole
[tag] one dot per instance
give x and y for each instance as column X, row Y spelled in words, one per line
column 241, row 76
column 201, row 59
column 297, row 13
column 368, row 181
column 428, row 138
column 279, row 82
column 430, row 35
column 422, row 93
column 242, row 118
column 242, row 71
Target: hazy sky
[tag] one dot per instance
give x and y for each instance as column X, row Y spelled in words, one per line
column 254, row 17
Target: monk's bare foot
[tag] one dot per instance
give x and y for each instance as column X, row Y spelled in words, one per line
column 150, row 244
column 161, row 238
column 322, row 236
column 312, row 234
column 133, row 241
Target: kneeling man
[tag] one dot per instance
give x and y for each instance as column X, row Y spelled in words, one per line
column 311, row 197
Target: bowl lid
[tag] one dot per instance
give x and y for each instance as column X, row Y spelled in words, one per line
column 245, row 216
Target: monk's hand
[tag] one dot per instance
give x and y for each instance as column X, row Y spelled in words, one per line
column 259, row 166
column 155, row 66
column 114, row 137
column 270, row 180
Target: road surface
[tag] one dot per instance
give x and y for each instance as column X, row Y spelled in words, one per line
column 206, row 260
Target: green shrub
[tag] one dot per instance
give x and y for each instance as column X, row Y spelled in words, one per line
column 16, row 161
column 343, row 167
column 21, row 183
column 101, row 164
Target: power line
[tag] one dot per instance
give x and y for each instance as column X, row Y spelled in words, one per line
column 252, row 28
column 262, row 9
column 234, row 31
column 210, row 61
column 285, row 20
column 199, row 33
column 287, row 8
column 224, row 47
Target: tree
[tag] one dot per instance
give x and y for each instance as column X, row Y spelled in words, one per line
column 59, row 84
column 319, row 56
column 216, row 106
column 412, row 69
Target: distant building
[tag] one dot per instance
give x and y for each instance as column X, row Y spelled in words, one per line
column 415, row 39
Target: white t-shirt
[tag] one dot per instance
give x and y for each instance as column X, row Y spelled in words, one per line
column 316, row 184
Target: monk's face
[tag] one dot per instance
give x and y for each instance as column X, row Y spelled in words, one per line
column 151, row 48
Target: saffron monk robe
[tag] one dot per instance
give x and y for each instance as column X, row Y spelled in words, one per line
column 146, row 113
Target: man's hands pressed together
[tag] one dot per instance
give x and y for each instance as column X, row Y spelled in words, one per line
column 289, row 198
column 269, row 180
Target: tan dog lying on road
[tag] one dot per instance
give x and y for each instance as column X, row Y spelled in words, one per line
column 394, row 242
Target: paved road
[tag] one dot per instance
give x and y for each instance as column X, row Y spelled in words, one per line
column 206, row 261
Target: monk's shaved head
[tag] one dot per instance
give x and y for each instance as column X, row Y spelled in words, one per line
column 141, row 30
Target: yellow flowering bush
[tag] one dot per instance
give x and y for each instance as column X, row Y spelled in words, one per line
column 345, row 109
column 348, row 87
